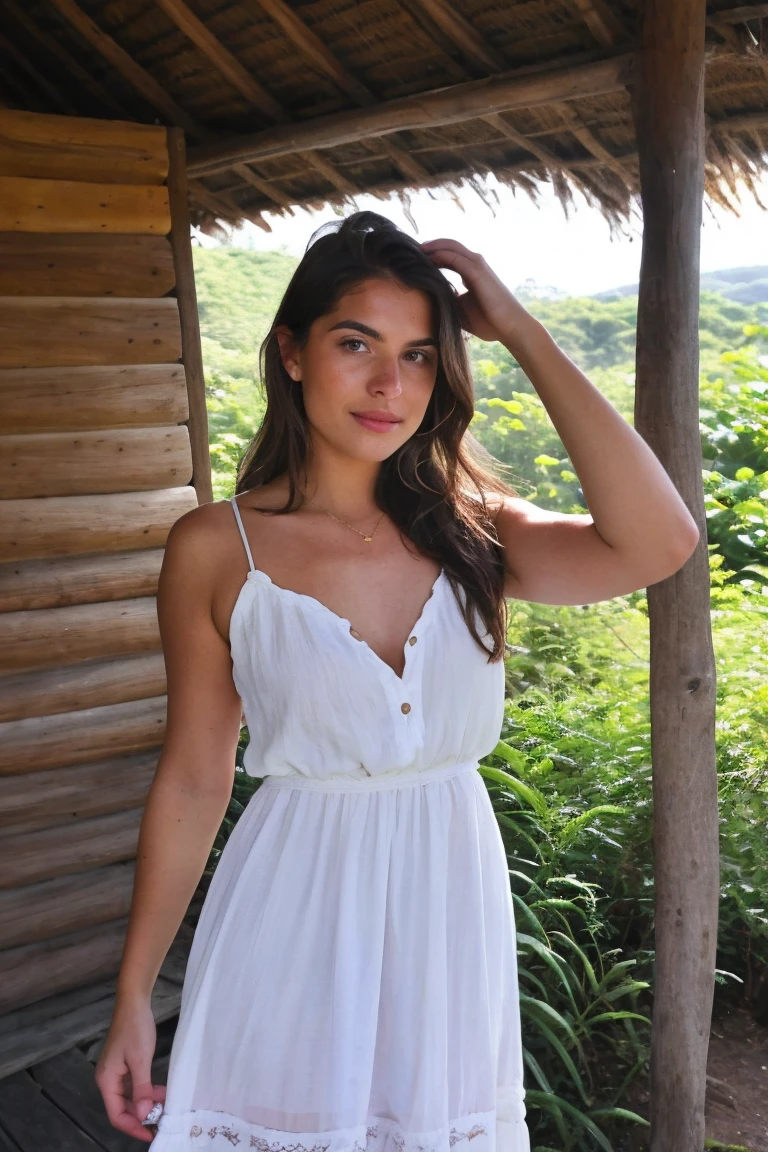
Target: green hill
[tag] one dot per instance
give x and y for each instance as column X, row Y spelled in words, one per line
column 744, row 285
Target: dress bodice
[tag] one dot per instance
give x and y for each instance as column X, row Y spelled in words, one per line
column 321, row 703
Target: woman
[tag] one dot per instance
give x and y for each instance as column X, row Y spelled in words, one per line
column 352, row 983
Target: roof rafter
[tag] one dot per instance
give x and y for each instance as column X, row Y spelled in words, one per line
column 457, row 29
column 495, row 120
column 13, row 52
column 231, row 68
column 585, row 136
column 70, row 65
column 313, row 50
column 601, row 21
column 524, row 89
column 744, row 13
column 149, row 88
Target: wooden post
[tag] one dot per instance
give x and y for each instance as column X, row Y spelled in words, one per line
column 192, row 353
column 669, row 121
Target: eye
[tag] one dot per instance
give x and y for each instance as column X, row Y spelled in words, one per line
column 425, row 356
column 350, row 340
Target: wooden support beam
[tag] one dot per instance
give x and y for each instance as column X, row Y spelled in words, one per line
column 601, row 21
column 191, row 348
column 319, row 56
column 463, row 35
column 668, row 110
column 428, row 110
column 241, row 79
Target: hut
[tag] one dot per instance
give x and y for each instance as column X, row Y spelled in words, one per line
column 121, row 124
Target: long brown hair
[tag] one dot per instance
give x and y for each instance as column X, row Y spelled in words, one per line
column 425, row 486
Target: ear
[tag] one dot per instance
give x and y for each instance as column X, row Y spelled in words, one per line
column 289, row 353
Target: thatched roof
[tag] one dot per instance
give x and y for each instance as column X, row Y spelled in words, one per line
column 306, row 102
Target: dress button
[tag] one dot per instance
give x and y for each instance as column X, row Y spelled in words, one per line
column 412, row 640
column 405, row 708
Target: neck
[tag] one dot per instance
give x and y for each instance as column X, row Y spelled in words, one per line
column 345, row 488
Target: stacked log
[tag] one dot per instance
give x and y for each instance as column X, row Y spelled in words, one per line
column 103, row 447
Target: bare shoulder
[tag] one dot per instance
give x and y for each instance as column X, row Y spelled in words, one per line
column 197, row 535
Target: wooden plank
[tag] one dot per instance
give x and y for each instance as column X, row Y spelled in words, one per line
column 85, row 463
column 668, row 110
column 50, row 264
column 65, row 904
column 79, row 846
column 186, row 295
column 92, row 789
column 48, row 966
column 58, row 637
column 57, row 1023
column 68, row 1081
column 65, row 525
column 67, row 580
column 74, row 148
column 89, row 734
column 80, row 399
column 89, row 684
column 32, row 205
column 47, row 331
column 34, row 1122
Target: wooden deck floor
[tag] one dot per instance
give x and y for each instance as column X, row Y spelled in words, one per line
column 55, row 1105
column 49, row 1101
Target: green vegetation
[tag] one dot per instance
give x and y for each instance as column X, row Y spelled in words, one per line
column 570, row 777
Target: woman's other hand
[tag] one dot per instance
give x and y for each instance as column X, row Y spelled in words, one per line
column 488, row 308
column 128, row 1052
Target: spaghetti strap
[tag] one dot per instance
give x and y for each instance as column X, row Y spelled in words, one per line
column 238, row 517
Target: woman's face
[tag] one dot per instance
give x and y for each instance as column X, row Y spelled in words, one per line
column 376, row 353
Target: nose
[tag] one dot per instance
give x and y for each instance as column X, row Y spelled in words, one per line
column 385, row 380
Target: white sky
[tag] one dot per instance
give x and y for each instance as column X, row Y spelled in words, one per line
column 527, row 241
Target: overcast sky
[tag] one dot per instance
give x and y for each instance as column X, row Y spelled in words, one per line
column 526, row 241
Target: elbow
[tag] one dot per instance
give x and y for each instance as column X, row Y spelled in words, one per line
column 678, row 556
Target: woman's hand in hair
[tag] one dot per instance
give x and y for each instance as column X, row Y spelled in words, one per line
column 488, row 308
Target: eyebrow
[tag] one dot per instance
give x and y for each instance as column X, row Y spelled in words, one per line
column 358, row 326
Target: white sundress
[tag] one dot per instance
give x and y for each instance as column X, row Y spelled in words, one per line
column 352, row 982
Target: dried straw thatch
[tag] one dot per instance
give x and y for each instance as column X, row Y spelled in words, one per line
column 306, row 102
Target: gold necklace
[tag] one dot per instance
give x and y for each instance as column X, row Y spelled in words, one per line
column 364, row 536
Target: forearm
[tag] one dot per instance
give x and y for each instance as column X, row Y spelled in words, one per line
column 177, row 831
column 633, row 503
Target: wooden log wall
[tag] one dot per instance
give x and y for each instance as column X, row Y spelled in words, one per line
column 103, row 445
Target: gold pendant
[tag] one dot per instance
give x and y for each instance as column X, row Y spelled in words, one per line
column 367, row 539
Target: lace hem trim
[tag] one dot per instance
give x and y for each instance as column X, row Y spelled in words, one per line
column 210, row 1130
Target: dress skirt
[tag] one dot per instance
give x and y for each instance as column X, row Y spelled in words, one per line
column 352, row 983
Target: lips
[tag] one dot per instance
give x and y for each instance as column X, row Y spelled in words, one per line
column 379, row 415
column 378, row 420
